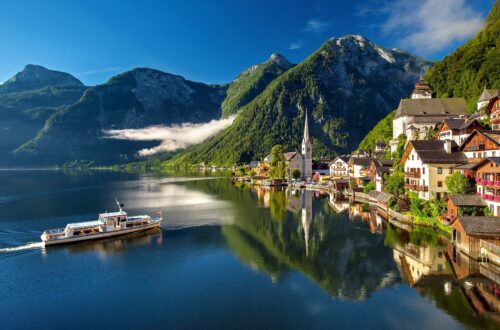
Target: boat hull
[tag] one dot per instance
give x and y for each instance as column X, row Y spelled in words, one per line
column 102, row 235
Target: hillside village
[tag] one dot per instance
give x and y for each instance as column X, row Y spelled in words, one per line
column 440, row 169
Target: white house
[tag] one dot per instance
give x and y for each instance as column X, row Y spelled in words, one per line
column 339, row 167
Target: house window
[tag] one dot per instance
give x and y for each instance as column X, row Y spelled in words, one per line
column 439, row 170
column 440, row 184
column 423, row 170
column 473, row 155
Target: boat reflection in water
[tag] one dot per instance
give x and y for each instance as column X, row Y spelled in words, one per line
column 352, row 252
column 113, row 245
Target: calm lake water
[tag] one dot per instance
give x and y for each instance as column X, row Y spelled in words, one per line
column 226, row 257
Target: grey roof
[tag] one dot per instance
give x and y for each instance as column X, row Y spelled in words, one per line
column 454, row 123
column 290, row 155
column 467, row 200
column 432, row 152
column 468, row 166
column 362, row 161
column 469, row 122
column 432, row 107
column 434, row 120
column 480, row 225
column 488, row 94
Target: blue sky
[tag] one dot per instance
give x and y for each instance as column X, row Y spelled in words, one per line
column 212, row 41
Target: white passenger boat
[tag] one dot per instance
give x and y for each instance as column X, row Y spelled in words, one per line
column 108, row 225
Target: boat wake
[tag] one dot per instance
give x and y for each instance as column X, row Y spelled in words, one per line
column 28, row 246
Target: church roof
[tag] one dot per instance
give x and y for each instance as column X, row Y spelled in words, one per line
column 431, row 107
column 488, row 94
column 306, row 129
column 290, row 155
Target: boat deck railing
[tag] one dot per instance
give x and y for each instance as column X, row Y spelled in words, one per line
column 55, row 231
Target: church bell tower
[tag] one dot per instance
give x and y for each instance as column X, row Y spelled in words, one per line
column 306, row 152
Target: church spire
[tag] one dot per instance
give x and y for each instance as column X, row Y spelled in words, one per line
column 306, row 130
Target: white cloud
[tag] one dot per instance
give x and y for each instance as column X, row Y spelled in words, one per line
column 316, row 25
column 172, row 137
column 430, row 26
column 296, row 45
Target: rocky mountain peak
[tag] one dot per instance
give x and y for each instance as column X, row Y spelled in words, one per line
column 36, row 76
column 280, row 60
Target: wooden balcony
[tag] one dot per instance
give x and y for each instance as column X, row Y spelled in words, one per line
column 413, row 174
column 416, row 187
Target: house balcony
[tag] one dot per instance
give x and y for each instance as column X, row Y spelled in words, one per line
column 413, row 175
column 416, row 187
column 491, row 198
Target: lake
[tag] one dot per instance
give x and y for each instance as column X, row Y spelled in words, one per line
column 225, row 257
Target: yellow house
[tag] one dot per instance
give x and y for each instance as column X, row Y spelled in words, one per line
column 427, row 164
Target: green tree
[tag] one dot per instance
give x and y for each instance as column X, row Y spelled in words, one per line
column 296, row 173
column 395, row 183
column 369, row 187
column 458, row 184
column 278, row 164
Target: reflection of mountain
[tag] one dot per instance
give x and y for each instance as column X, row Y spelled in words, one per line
column 344, row 259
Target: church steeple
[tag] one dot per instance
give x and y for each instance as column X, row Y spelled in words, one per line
column 306, row 151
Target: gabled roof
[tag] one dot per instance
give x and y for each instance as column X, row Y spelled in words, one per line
column 469, row 122
column 494, row 160
column 488, row 94
column 453, row 123
column 480, row 225
column 467, row 200
column 493, row 136
column 433, row 152
column 362, row 161
column 432, row 107
column 345, row 159
column 290, row 155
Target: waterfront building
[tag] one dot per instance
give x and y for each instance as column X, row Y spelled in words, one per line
column 321, row 166
column 303, row 160
column 481, row 144
column 339, row 167
column 359, row 167
column 464, row 205
column 377, row 170
column 478, row 236
column 488, row 183
column 427, row 164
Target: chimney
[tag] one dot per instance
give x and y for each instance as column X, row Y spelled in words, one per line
column 447, row 146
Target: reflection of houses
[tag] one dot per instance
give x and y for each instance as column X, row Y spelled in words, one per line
column 478, row 236
column 337, row 205
column 427, row 164
column 417, row 262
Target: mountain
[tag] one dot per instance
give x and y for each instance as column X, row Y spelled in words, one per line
column 381, row 132
column 135, row 99
column 28, row 99
column 472, row 66
column 346, row 86
column 35, row 77
column 252, row 82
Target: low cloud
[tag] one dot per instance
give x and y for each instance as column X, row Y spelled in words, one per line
column 296, row 45
column 316, row 25
column 430, row 26
column 172, row 137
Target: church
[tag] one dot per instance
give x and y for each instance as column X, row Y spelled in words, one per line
column 303, row 160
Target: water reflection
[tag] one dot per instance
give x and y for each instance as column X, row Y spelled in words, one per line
column 351, row 252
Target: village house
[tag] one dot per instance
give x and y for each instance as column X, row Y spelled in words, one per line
column 381, row 148
column 495, row 115
column 427, row 164
column 459, row 205
column 359, row 167
column 488, row 183
column 377, row 170
column 481, row 144
column 486, row 100
column 419, row 115
column 457, row 129
column 293, row 161
column 321, row 166
column 339, row 167
column 477, row 236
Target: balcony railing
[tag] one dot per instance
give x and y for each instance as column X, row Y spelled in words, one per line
column 414, row 175
column 416, row 187
column 492, row 198
column 422, row 188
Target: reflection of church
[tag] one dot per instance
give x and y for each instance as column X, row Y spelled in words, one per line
column 307, row 217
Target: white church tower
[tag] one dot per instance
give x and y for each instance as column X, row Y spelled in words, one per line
column 306, row 152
